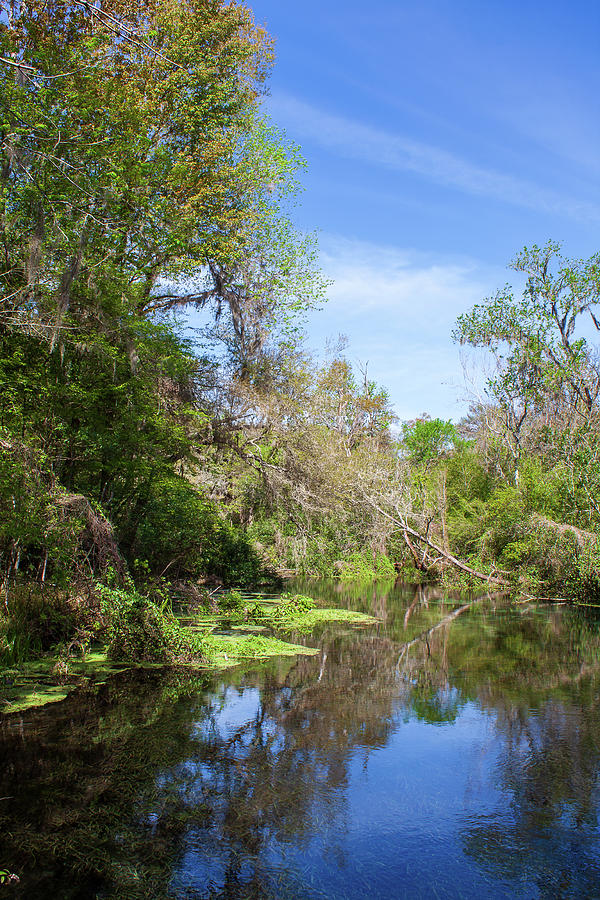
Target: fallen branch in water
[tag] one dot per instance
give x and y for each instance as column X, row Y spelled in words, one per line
column 459, row 564
column 528, row 599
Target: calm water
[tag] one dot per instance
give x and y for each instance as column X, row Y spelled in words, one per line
column 453, row 751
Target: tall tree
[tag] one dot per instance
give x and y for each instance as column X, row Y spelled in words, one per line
column 131, row 156
column 546, row 370
column 122, row 131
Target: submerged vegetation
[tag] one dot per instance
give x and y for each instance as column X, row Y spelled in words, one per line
column 141, row 460
column 106, row 793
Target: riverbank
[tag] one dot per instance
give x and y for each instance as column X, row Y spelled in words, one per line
column 235, row 630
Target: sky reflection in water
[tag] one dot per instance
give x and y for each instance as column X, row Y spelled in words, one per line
column 428, row 757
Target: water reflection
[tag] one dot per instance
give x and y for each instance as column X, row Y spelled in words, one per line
column 452, row 751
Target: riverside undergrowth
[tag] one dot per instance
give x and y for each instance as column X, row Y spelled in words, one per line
column 134, row 629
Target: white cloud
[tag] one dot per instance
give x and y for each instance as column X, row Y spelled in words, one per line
column 353, row 139
column 398, row 308
column 368, row 277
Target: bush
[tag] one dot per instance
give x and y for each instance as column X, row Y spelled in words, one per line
column 297, row 602
column 291, row 609
column 584, row 583
column 466, row 477
column 139, row 630
column 465, row 526
column 32, row 517
column 40, row 618
column 504, row 522
column 232, row 601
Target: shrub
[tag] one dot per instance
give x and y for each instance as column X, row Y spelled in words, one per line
column 182, row 536
column 139, row 630
column 465, row 526
column 584, row 580
column 232, row 601
column 297, row 602
column 41, row 617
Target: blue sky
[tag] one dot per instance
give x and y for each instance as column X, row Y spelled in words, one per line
column 441, row 137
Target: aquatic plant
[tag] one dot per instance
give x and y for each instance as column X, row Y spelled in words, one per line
column 139, row 630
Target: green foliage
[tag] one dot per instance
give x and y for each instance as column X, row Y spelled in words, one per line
column 232, row 601
column 236, row 611
column 356, row 408
column 546, row 375
column 40, row 618
column 467, row 477
column 366, row 565
column 319, row 552
column 231, row 649
column 139, row 148
column 465, row 525
column 296, row 603
column 504, row 519
column 426, row 440
column 182, row 534
column 570, row 290
column 137, row 177
column 297, row 613
column 584, row 580
column 145, row 180
column 545, row 490
column 34, row 516
column 138, row 630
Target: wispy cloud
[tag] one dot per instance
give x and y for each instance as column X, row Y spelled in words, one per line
column 407, row 285
column 352, row 139
column 398, row 308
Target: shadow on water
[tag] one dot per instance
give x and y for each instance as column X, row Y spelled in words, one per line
column 451, row 751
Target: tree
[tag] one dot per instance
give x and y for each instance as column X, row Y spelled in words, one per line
column 267, row 279
column 123, row 127
column 546, row 370
column 130, row 155
column 425, row 440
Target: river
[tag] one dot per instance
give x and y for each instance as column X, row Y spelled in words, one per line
column 452, row 751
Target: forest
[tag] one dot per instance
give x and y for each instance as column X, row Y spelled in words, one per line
column 164, row 430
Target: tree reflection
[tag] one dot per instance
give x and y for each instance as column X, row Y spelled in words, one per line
column 174, row 786
column 548, row 765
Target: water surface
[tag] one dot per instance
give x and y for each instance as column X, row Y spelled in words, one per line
column 451, row 751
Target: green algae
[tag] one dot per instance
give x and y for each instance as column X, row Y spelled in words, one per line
column 27, row 696
column 250, row 629
column 52, row 678
column 40, row 681
column 290, row 612
column 314, row 617
column 231, row 649
column 299, row 613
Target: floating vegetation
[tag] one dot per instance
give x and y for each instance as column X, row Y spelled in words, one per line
column 50, row 679
column 26, row 696
column 224, row 649
column 299, row 613
column 237, row 631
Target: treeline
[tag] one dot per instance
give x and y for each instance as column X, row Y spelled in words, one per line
column 137, row 179
column 139, row 182
column 509, row 496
